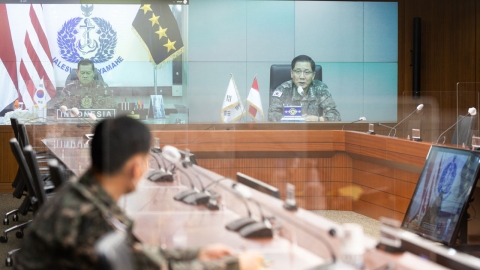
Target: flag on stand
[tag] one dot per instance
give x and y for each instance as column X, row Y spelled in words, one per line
column 255, row 102
column 232, row 108
column 36, row 77
column 8, row 62
column 157, row 28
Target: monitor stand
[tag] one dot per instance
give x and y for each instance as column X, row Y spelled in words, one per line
column 463, row 246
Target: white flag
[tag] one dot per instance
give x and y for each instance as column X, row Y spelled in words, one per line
column 254, row 101
column 232, row 108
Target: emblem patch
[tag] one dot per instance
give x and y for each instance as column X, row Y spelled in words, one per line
column 277, row 94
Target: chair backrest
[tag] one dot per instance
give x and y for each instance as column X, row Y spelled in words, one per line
column 74, row 77
column 114, row 253
column 14, row 123
column 281, row 73
column 465, row 129
column 25, row 171
column 57, row 174
column 23, row 136
column 32, row 163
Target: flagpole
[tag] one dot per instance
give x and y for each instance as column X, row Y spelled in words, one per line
column 155, row 78
column 239, row 100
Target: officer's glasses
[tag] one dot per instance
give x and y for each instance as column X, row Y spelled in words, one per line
column 299, row 72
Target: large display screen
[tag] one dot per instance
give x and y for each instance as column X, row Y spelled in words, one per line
column 442, row 194
column 197, row 54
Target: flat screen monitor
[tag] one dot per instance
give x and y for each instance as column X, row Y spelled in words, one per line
column 442, row 194
column 258, row 185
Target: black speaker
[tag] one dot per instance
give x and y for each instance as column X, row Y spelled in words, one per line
column 416, row 56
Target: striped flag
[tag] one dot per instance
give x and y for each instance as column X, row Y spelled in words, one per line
column 36, row 77
column 8, row 62
column 232, row 108
column 254, row 101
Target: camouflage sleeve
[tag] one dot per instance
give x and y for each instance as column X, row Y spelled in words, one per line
column 328, row 105
column 152, row 257
column 329, row 109
column 225, row 263
column 275, row 111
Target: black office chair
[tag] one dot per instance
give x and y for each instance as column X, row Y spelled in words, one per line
column 114, row 252
column 19, row 189
column 74, row 77
column 281, row 73
column 36, row 191
column 31, row 195
column 57, row 173
column 463, row 131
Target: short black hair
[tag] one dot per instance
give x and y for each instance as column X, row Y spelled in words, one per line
column 303, row 58
column 85, row 62
column 115, row 141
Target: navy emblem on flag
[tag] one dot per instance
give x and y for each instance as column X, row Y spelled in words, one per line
column 87, row 38
column 158, row 29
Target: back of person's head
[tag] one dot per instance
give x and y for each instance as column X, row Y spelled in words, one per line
column 85, row 62
column 116, row 141
column 303, row 58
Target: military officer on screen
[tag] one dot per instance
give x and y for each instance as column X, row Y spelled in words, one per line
column 84, row 93
column 302, row 90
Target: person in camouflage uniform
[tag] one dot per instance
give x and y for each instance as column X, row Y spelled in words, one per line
column 84, row 93
column 316, row 101
column 64, row 231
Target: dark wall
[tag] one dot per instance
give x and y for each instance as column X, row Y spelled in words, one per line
column 450, row 54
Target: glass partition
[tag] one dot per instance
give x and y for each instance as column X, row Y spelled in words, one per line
column 438, row 118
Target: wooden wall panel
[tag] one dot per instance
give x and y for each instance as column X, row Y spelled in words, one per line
column 8, row 165
column 320, row 183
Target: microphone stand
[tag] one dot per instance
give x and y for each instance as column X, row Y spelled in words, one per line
column 394, row 127
column 444, row 138
column 380, row 124
column 351, row 123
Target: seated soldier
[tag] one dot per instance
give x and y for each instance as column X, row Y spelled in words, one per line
column 303, row 90
column 84, row 93
column 65, row 230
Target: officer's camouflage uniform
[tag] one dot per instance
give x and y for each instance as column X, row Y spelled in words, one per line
column 65, row 230
column 96, row 95
column 318, row 101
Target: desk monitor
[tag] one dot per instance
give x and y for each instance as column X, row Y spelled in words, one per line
column 442, row 194
column 258, row 185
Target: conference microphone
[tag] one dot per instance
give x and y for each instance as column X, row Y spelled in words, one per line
column 359, row 119
column 382, row 125
column 418, row 109
column 162, row 174
column 244, row 226
column 472, row 111
column 193, row 195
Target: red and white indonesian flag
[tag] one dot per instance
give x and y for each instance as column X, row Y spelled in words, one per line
column 8, row 62
column 254, row 101
column 35, row 72
column 232, row 108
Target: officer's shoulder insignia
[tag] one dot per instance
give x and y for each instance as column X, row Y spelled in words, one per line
column 277, row 93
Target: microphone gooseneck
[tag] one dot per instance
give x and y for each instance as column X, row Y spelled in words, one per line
column 394, row 133
column 360, row 119
column 444, row 138
column 419, row 108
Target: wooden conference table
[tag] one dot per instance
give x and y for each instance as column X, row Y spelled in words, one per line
column 300, row 242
